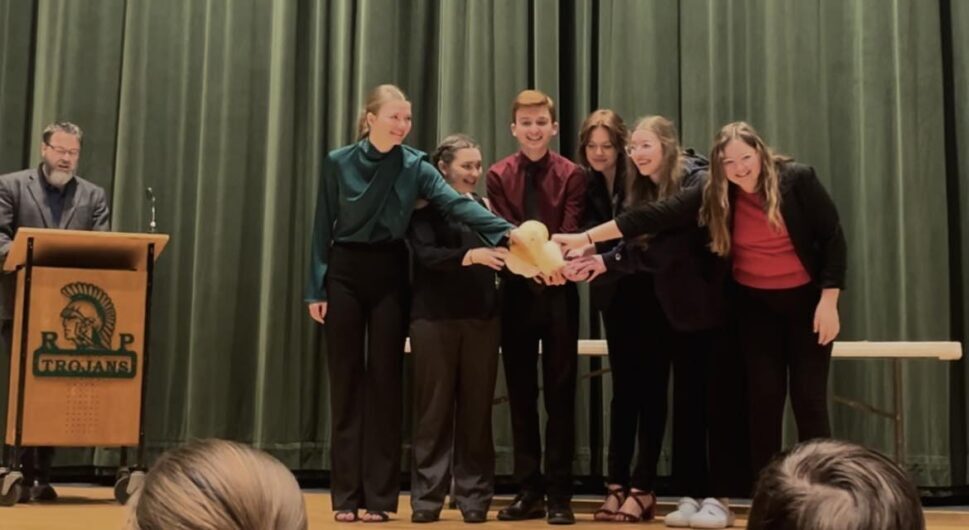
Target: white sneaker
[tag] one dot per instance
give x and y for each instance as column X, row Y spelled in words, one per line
column 712, row 514
column 685, row 508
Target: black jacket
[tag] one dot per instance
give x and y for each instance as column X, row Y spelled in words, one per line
column 601, row 207
column 442, row 288
column 808, row 211
column 688, row 278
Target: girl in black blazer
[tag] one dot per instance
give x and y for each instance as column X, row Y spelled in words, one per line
column 454, row 333
column 649, row 332
column 780, row 229
column 602, row 152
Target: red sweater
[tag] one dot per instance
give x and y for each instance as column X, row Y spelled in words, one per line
column 763, row 257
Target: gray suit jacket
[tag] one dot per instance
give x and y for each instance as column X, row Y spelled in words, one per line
column 22, row 203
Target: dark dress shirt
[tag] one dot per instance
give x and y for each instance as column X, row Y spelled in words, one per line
column 53, row 196
column 559, row 185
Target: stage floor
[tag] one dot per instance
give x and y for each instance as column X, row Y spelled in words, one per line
column 89, row 507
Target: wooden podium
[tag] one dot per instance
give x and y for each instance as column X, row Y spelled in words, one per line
column 79, row 355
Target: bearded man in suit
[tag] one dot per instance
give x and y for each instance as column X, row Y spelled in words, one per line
column 50, row 195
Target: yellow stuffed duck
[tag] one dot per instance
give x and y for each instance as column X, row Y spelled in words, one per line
column 531, row 253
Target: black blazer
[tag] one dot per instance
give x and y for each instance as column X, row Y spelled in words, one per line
column 808, row 211
column 443, row 288
column 23, row 204
column 688, row 277
column 601, row 207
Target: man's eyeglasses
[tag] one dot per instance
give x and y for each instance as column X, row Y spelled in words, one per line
column 62, row 151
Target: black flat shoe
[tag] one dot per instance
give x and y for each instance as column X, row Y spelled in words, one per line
column 560, row 515
column 524, row 507
column 24, row 493
column 424, row 516
column 43, row 493
column 475, row 516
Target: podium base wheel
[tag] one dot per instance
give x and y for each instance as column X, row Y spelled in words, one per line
column 10, row 489
column 127, row 484
column 121, row 487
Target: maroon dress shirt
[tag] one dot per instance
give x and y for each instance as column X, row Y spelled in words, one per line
column 559, row 187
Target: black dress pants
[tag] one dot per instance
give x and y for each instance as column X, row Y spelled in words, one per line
column 365, row 331
column 727, row 412
column 533, row 313
column 455, row 366
column 708, row 432
column 779, row 345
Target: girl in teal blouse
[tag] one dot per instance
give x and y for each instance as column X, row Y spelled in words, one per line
column 358, row 286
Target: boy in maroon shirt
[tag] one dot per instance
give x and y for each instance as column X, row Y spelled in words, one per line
column 537, row 183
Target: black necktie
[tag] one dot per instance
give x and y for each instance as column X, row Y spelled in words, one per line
column 531, row 192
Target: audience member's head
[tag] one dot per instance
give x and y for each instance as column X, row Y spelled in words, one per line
column 834, row 485
column 217, row 485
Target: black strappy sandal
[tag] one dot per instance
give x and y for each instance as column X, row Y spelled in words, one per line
column 645, row 513
column 604, row 514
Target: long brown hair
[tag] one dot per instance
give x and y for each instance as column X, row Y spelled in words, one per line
column 715, row 212
column 618, row 134
column 641, row 188
column 376, row 98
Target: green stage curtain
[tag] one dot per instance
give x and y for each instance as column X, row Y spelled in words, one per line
column 225, row 109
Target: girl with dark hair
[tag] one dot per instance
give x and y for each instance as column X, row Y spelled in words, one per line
column 650, row 330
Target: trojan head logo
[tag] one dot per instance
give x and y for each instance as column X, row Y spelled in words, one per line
column 88, row 318
column 88, row 321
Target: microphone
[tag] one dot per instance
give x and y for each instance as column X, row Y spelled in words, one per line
column 152, row 226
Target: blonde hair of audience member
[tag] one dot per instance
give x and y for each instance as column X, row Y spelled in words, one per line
column 376, row 98
column 217, row 485
column 715, row 212
column 834, row 485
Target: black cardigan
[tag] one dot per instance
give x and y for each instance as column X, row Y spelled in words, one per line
column 808, row 211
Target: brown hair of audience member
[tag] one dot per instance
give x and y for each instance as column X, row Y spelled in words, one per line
column 217, row 485
column 834, row 485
